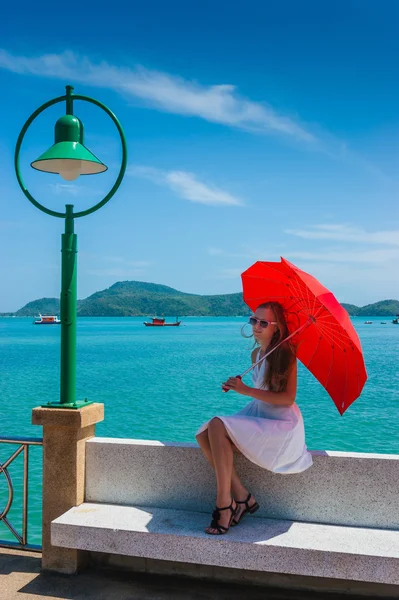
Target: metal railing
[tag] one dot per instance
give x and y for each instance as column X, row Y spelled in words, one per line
column 22, row 537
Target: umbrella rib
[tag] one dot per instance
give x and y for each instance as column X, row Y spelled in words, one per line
column 329, row 334
column 308, row 312
column 305, row 289
column 311, row 297
column 331, row 362
column 297, row 288
column 358, row 390
column 340, row 333
column 326, row 331
column 263, row 297
column 345, row 339
column 346, row 380
column 304, row 307
column 315, row 351
column 338, row 327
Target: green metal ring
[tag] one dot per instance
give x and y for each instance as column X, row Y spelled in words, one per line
column 21, row 136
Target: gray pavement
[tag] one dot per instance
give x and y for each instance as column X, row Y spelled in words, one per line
column 21, row 579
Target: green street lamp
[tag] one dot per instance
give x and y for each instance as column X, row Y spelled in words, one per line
column 69, row 158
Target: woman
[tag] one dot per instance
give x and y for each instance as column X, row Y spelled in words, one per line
column 269, row 431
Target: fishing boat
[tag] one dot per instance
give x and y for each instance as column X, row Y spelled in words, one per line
column 47, row 320
column 160, row 322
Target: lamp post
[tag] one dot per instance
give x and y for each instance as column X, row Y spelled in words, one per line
column 69, row 158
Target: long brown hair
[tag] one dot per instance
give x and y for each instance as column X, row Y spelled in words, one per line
column 281, row 361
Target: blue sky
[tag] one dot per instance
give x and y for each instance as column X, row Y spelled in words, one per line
column 255, row 131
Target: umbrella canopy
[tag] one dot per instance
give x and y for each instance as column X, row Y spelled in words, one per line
column 328, row 344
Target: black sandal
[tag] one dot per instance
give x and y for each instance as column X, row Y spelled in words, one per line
column 248, row 509
column 221, row 529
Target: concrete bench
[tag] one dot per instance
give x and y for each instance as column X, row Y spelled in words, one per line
column 337, row 521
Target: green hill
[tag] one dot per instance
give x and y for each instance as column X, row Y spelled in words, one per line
column 352, row 309
column 134, row 298
column 44, row 306
column 138, row 298
column 385, row 308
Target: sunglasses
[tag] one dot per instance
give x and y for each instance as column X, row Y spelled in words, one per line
column 264, row 324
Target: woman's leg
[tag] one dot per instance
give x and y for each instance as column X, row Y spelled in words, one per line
column 238, row 490
column 222, row 454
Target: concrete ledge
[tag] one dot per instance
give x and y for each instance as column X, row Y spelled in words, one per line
column 354, row 489
column 307, row 549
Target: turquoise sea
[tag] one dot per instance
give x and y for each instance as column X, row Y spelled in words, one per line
column 162, row 383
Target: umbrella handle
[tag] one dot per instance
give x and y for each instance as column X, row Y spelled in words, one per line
column 225, row 389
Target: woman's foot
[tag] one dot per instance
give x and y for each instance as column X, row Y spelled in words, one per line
column 245, row 506
column 221, row 519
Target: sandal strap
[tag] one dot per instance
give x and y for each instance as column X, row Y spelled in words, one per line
column 226, row 507
column 246, row 502
column 216, row 516
column 215, row 519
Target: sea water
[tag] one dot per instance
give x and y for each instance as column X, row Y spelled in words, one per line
column 162, row 383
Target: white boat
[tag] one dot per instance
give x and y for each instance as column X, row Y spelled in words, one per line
column 368, row 322
column 47, row 320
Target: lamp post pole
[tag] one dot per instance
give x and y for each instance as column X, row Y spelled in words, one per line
column 68, row 303
column 70, row 158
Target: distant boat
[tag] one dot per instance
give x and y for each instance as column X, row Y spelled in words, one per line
column 396, row 321
column 160, row 322
column 383, row 323
column 368, row 322
column 47, row 320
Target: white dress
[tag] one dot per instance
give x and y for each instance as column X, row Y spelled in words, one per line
column 270, row 436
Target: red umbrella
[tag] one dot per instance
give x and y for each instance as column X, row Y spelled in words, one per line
column 327, row 343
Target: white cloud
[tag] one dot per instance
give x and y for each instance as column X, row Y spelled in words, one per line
column 358, row 284
column 348, row 256
column 230, row 273
column 130, row 263
column 216, row 252
column 250, row 252
column 216, row 103
column 120, row 273
column 64, row 188
column 115, row 266
column 187, row 186
column 346, row 233
column 360, row 268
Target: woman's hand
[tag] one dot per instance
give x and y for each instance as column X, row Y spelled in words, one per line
column 235, row 384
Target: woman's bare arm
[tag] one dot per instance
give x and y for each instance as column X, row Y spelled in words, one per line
column 286, row 398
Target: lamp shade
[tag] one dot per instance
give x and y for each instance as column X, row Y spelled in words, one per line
column 69, row 157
